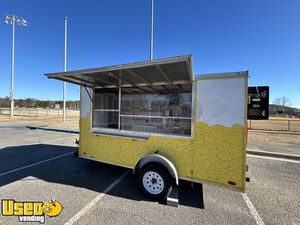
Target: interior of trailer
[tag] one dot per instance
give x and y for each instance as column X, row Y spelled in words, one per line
column 165, row 109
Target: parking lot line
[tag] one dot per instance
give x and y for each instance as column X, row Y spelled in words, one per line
column 96, row 199
column 36, row 143
column 34, row 164
column 252, row 209
column 273, row 158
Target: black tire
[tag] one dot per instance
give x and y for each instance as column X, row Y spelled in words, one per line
column 160, row 172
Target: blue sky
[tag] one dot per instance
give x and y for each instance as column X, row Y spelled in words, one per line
column 262, row 36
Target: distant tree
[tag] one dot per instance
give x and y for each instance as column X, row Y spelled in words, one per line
column 4, row 102
column 282, row 101
column 35, row 103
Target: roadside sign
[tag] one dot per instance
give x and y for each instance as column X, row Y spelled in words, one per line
column 258, row 103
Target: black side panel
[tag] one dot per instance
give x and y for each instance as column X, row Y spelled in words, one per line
column 258, row 103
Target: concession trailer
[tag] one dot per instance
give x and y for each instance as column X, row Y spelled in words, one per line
column 159, row 119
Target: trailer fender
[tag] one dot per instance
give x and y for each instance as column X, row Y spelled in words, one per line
column 155, row 158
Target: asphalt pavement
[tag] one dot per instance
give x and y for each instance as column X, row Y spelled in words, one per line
column 37, row 165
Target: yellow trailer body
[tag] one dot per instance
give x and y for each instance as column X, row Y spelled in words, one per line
column 213, row 152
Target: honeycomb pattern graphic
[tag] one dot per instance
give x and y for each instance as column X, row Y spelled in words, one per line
column 215, row 154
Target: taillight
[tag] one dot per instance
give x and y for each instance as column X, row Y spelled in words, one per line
column 231, row 183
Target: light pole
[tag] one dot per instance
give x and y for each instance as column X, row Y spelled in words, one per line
column 65, row 69
column 151, row 30
column 12, row 19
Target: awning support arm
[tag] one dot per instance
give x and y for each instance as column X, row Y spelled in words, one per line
column 88, row 94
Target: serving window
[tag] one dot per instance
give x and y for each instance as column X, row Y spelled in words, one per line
column 157, row 110
column 105, row 108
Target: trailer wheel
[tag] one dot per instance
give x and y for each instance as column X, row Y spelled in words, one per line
column 155, row 181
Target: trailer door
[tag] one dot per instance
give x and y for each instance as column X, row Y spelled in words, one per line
column 220, row 129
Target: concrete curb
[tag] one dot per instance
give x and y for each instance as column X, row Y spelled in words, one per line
column 53, row 129
column 274, row 131
column 273, row 154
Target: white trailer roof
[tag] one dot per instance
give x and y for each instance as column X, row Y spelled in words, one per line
column 167, row 71
column 222, row 75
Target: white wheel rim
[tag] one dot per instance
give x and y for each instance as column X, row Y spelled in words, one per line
column 153, row 182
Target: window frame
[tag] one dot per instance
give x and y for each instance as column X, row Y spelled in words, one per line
column 140, row 134
column 103, row 110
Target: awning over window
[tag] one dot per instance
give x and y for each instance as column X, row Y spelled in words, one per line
column 164, row 72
